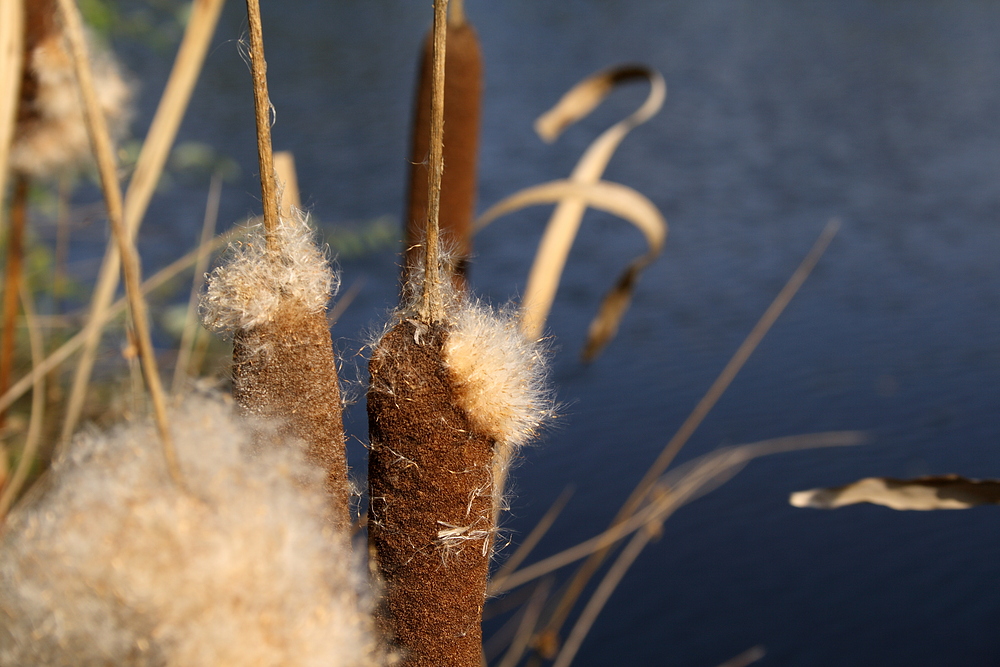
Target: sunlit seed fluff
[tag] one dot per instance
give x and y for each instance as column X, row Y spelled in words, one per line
column 113, row 564
column 51, row 135
column 253, row 284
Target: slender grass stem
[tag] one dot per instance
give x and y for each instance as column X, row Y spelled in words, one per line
column 262, row 112
column 432, row 303
column 100, row 140
column 695, row 419
column 149, row 166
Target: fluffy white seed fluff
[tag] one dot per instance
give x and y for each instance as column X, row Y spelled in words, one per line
column 53, row 139
column 111, row 563
column 500, row 374
column 253, row 285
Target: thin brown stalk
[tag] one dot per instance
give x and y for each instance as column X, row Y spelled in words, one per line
column 432, row 303
column 70, row 347
column 184, row 349
column 100, row 140
column 456, row 13
column 747, row 657
column 12, row 280
column 262, row 112
column 149, row 166
column 695, row 419
column 14, row 485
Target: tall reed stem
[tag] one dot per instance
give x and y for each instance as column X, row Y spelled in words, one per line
column 104, row 153
column 262, row 112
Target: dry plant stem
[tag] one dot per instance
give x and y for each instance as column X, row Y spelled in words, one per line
column 149, row 166
column 285, row 369
column 430, row 519
column 530, row 542
column 100, row 140
column 748, row 657
column 456, row 13
column 12, row 281
column 11, row 58
column 34, row 437
column 710, row 470
column 64, row 351
column 181, row 368
column 694, row 420
column 432, row 305
column 462, row 94
column 526, row 627
column 262, row 112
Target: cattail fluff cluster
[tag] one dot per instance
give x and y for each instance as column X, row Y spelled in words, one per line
column 109, row 562
column 51, row 134
column 255, row 284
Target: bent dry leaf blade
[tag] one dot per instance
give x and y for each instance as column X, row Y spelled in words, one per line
column 573, row 200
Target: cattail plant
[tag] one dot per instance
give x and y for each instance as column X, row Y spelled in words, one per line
column 455, row 389
column 462, row 94
column 110, row 562
column 272, row 295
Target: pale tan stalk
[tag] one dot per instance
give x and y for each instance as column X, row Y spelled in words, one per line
column 148, row 168
column 432, row 304
column 694, row 420
column 100, row 140
column 11, row 59
column 526, row 628
column 262, row 112
column 184, row 349
column 30, row 449
column 676, row 489
column 497, row 583
column 724, row 463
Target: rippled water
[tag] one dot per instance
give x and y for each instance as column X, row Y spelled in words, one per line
column 780, row 114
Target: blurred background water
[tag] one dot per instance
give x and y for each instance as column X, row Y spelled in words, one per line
column 780, row 115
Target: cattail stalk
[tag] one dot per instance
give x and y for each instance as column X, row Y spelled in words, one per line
column 455, row 389
column 463, row 93
column 273, row 295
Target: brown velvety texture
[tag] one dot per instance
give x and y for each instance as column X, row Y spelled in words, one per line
column 462, row 94
column 286, row 370
column 428, row 472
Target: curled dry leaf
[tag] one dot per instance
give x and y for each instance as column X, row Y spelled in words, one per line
column 585, row 188
column 937, row 492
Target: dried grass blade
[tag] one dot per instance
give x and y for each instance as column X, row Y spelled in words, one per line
column 104, row 153
column 721, row 463
column 188, row 335
column 563, row 225
column 678, row 488
column 698, row 414
column 613, row 198
column 526, row 627
column 748, row 657
column 149, row 166
column 530, row 542
column 934, row 492
column 16, row 482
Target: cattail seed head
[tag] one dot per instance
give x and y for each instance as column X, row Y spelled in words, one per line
column 111, row 563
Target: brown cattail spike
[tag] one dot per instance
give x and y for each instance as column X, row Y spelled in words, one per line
column 283, row 362
column 449, row 404
column 462, row 95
